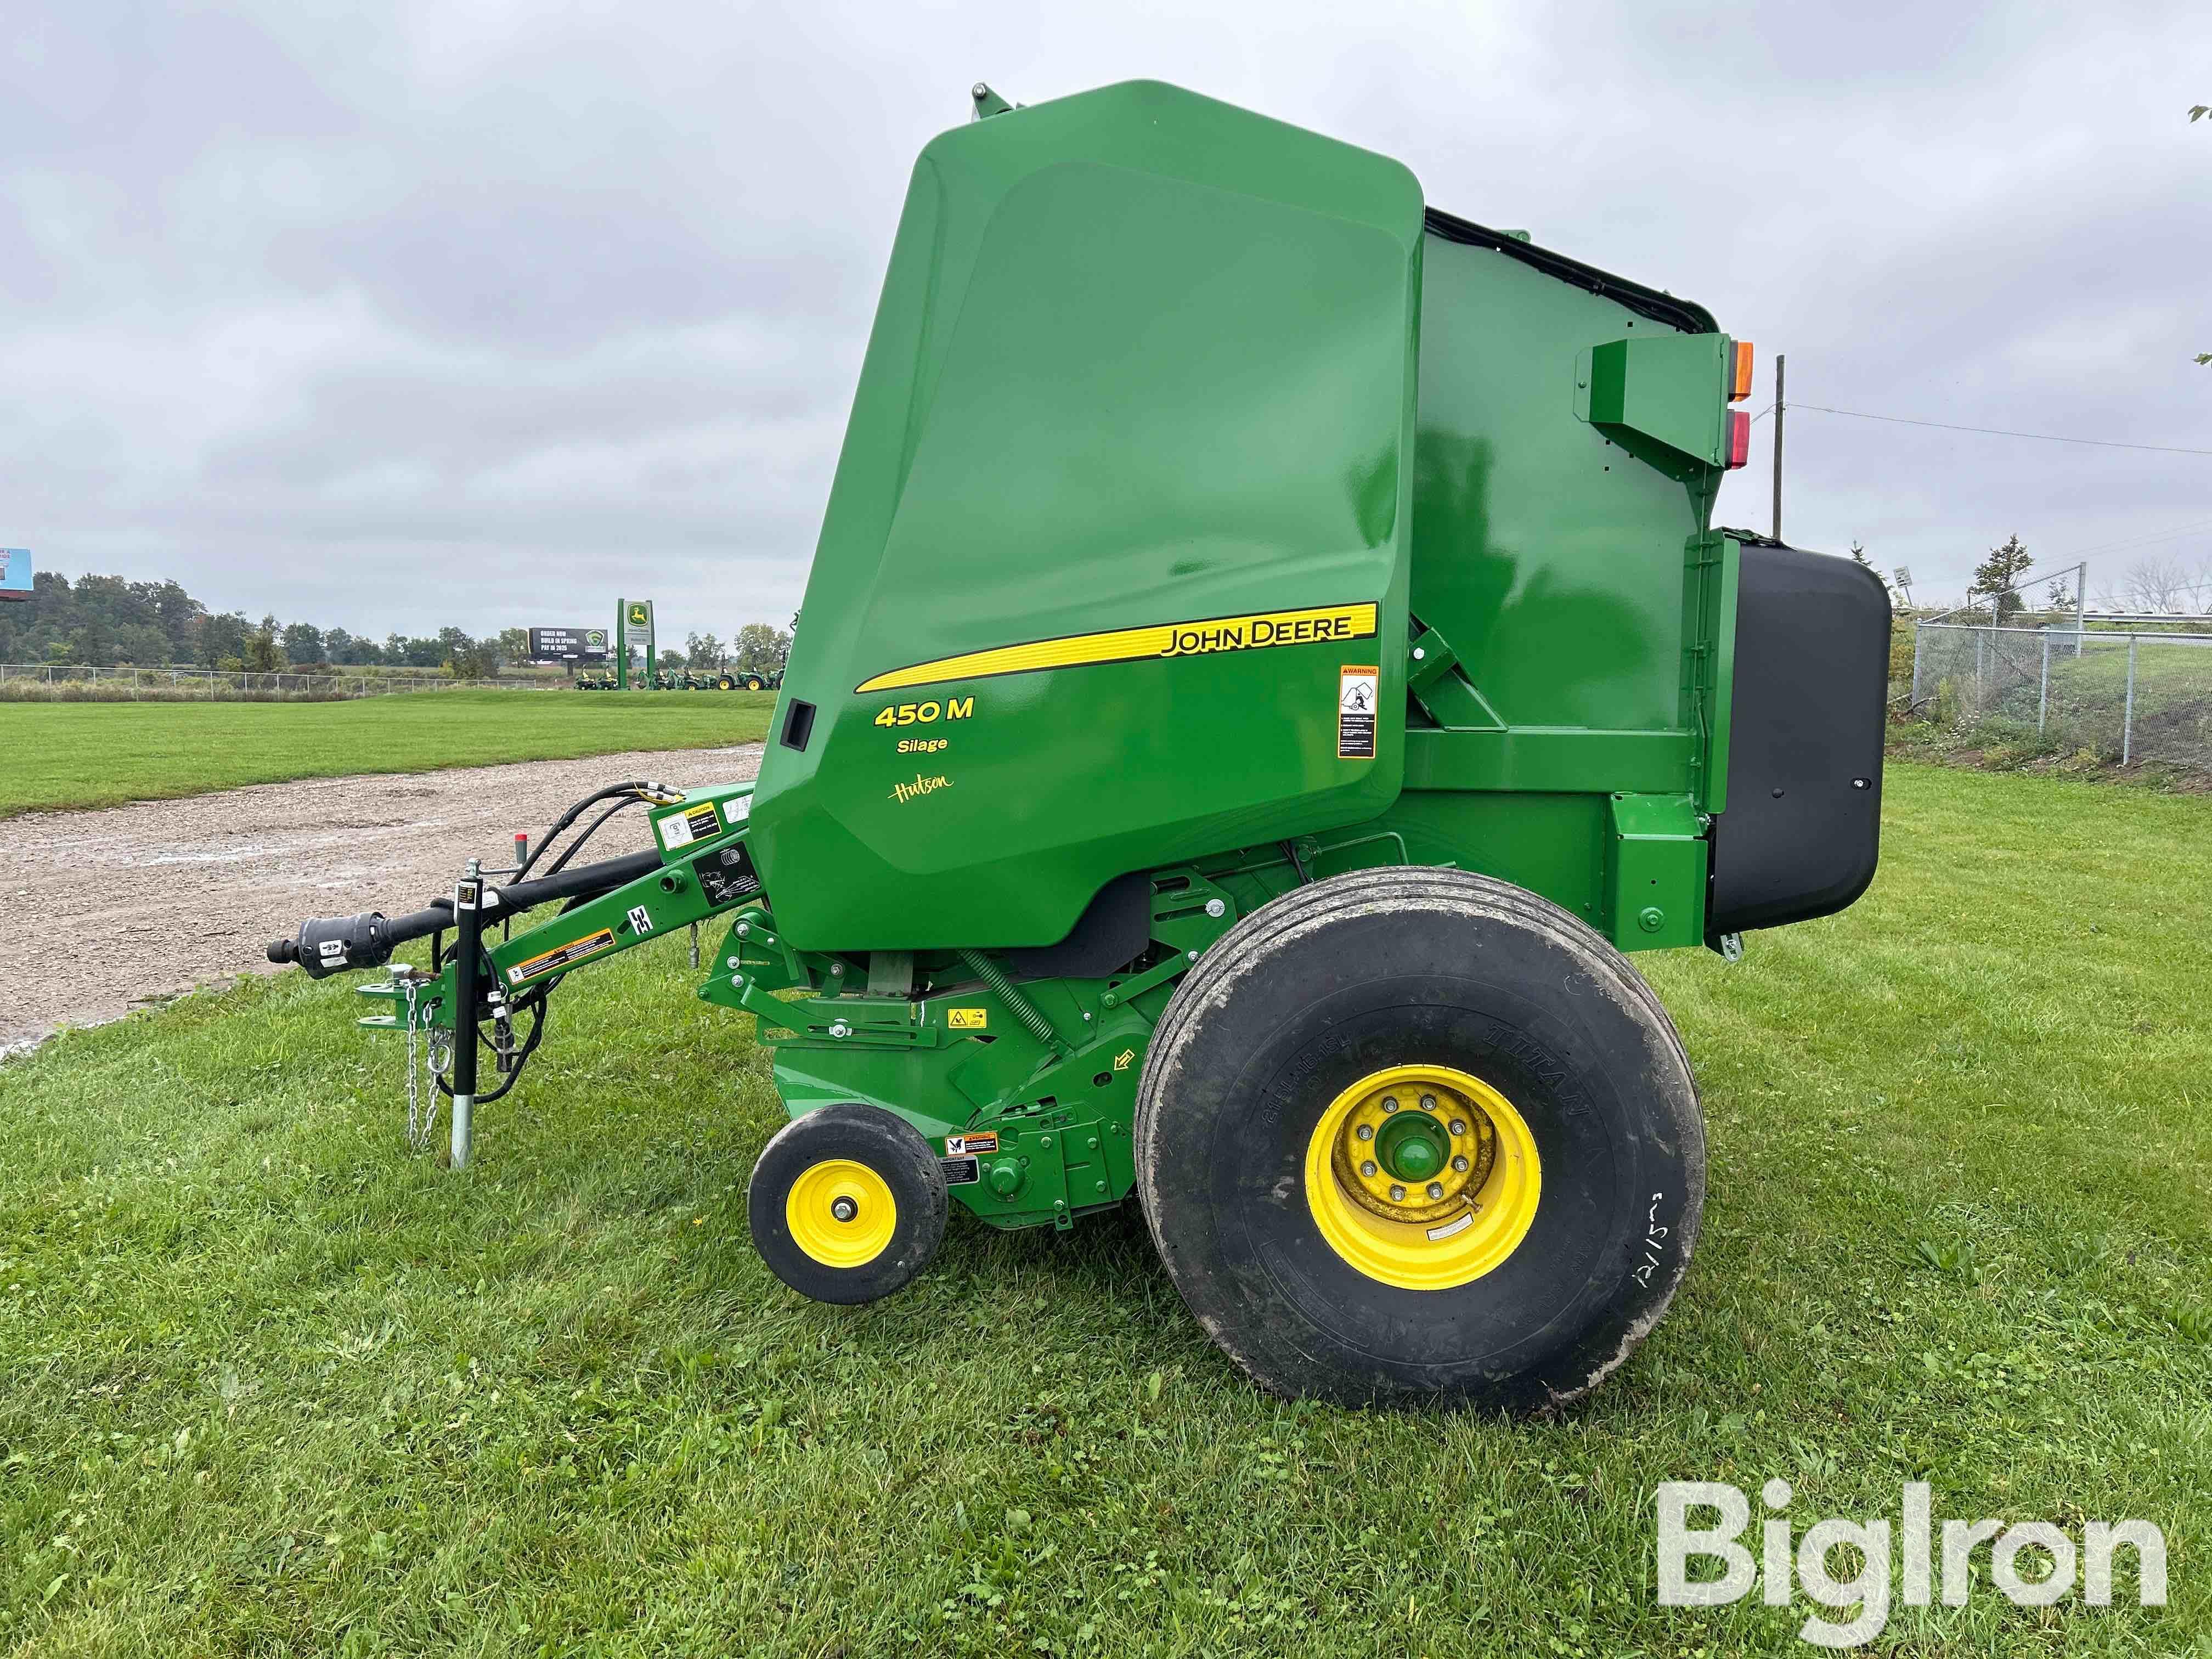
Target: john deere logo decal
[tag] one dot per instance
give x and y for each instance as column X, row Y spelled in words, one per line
column 637, row 616
column 1317, row 625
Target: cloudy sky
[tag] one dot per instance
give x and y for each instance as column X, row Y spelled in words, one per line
column 392, row 316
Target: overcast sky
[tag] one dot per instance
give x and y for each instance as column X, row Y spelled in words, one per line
column 394, row 317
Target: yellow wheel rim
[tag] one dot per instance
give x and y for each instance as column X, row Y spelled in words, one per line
column 1422, row 1177
column 842, row 1214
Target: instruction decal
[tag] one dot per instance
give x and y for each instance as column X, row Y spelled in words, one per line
column 699, row 822
column 562, row 956
column 960, row 1171
column 970, row 1145
column 727, row 874
column 967, row 1019
column 1356, row 688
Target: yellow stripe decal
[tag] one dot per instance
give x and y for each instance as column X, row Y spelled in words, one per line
column 1314, row 625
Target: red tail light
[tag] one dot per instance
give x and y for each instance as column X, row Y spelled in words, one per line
column 1739, row 438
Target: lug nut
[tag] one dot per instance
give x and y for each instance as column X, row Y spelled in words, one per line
column 1367, row 1131
column 1368, row 1168
column 1459, row 1126
column 1436, row 1189
column 1397, row 1195
column 1428, row 1102
column 843, row 1208
column 1460, row 1163
column 1389, row 1103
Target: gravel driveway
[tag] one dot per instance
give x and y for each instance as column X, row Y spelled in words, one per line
column 101, row 910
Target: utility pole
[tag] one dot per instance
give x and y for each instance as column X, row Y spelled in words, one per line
column 1778, row 361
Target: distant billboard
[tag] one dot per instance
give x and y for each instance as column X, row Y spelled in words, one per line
column 14, row 572
column 568, row 644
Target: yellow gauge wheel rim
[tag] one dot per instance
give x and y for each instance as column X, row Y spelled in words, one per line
column 1428, row 1201
column 841, row 1212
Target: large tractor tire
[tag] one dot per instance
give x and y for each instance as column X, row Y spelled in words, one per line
column 846, row 1204
column 1413, row 1134
column 754, row 683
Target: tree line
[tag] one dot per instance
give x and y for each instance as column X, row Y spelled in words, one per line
column 107, row 622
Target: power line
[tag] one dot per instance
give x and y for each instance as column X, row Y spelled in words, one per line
column 1999, row 432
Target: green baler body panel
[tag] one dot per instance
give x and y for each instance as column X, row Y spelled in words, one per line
column 1142, row 359
column 1172, row 415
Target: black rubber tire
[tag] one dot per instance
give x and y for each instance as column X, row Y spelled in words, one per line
column 753, row 682
column 890, row 1146
column 1403, row 966
column 726, row 683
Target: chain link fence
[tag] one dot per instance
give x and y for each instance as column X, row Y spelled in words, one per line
column 2130, row 697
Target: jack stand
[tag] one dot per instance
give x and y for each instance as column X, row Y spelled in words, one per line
column 468, row 932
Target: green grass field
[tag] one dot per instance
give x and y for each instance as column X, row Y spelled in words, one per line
column 275, row 1386
column 64, row 755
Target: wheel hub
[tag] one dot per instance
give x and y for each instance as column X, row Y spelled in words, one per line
column 1414, row 1148
column 1423, row 1177
column 841, row 1212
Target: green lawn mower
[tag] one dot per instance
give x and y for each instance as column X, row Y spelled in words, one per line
column 1268, row 662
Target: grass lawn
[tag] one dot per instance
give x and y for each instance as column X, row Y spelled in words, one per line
column 272, row 1385
column 65, row 755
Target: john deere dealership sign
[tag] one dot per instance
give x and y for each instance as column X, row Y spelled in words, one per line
column 633, row 636
column 568, row 644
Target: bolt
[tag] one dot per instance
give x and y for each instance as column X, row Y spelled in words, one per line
column 1397, row 1195
column 1215, row 908
column 1192, row 954
column 839, row 1028
column 1459, row 1126
column 1428, row 1102
column 978, row 90
column 1086, row 1015
column 734, row 962
column 843, row 1207
column 1367, row 1169
column 1460, row 1163
column 1367, row 1131
column 1419, row 653
column 1046, row 1143
column 744, row 928
column 1102, row 1186
column 837, row 969
column 1389, row 1103
column 1436, row 1189
column 1651, row 918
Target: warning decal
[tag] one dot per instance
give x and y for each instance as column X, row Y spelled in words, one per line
column 552, row 962
column 967, row 1019
column 700, row 823
column 1356, row 691
column 970, row 1144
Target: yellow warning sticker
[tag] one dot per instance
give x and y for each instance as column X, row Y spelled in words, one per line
column 552, row 962
column 967, row 1019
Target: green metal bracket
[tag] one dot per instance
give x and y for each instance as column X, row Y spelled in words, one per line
column 1663, row 398
column 1452, row 699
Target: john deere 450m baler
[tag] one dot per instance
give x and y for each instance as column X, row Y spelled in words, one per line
column 1267, row 660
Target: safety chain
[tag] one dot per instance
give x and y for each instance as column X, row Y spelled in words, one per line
column 422, row 1122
